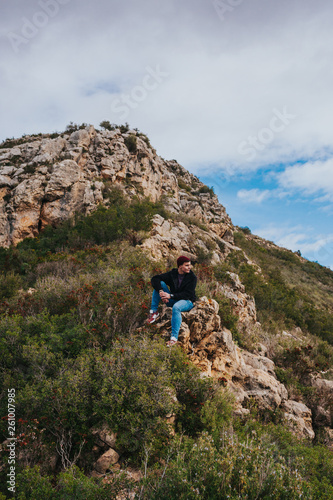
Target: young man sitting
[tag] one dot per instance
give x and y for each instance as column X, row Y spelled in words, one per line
column 176, row 289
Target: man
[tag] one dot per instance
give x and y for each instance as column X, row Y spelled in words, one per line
column 176, row 289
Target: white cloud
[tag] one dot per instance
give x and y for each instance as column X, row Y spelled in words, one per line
column 310, row 178
column 259, row 195
column 226, row 78
column 253, row 195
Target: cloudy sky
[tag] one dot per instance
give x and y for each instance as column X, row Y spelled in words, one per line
column 238, row 91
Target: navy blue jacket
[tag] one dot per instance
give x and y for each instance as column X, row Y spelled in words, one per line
column 186, row 291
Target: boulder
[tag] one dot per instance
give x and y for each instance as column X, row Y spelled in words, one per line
column 104, row 436
column 104, row 463
column 298, row 417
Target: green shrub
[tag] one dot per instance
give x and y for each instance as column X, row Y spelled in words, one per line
column 31, row 484
column 10, row 283
column 203, row 405
column 123, row 219
column 131, row 143
column 146, row 140
column 70, row 484
column 222, row 273
column 228, row 318
column 73, row 127
column 107, row 125
column 280, row 301
column 245, row 230
column 229, row 469
column 183, row 185
column 136, row 392
column 124, row 128
column 203, row 255
column 287, row 291
column 206, row 189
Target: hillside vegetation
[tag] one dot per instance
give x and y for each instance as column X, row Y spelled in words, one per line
column 75, row 347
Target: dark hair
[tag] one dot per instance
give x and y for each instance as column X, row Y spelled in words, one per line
column 182, row 259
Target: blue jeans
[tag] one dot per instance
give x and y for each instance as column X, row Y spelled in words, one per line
column 178, row 306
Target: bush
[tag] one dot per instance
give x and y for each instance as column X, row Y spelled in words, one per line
column 206, row 189
column 124, row 128
column 122, row 220
column 70, row 484
column 203, row 255
column 73, row 127
column 287, row 290
column 228, row 318
column 203, row 405
column 183, row 185
column 107, row 125
column 245, row 230
column 228, row 469
column 284, row 303
column 136, row 392
column 146, row 140
column 131, row 143
column 10, row 283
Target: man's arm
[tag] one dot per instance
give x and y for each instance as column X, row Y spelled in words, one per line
column 156, row 280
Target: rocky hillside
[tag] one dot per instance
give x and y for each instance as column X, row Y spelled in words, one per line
column 255, row 350
column 45, row 180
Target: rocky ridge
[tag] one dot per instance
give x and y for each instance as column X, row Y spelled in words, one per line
column 46, row 180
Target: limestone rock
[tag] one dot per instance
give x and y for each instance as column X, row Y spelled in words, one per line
column 212, row 349
column 299, row 418
column 170, row 238
column 243, row 305
column 259, row 362
column 322, row 383
column 46, row 180
column 104, row 462
column 262, row 387
column 64, row 175
column 50, row 150
column 104, row 436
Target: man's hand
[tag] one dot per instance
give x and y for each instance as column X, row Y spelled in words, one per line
column 164, row 296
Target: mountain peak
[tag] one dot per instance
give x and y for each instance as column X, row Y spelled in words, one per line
column 47, row 178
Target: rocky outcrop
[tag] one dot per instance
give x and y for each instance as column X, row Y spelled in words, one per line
column 298, row 418
column 170, row 238
column 109, row 460
column 243, row 305
column 251, row 377
column 104, row 437
column 45, row 180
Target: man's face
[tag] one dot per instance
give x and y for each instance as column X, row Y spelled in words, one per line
column 185, row 268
